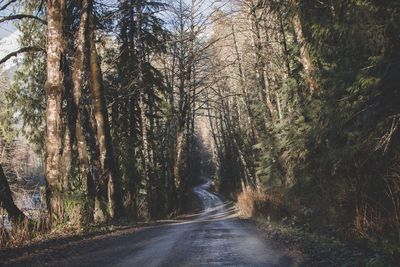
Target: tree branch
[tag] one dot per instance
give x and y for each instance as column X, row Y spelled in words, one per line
column 7, row 4
column 23, row 16
column 22, row 50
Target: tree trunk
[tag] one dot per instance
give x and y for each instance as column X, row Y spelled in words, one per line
column 284, row 43
column 67, row 157
column 144, row 121
column 81, row 85
column 146, row 154
column 305, row 57
column 110, row 171
column 185, row 75
column 243, row 87
column 54, row 89
column 6, row 200
column 180, row 138
column 261, row 75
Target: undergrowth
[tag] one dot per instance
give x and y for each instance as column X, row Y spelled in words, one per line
column 295, row 230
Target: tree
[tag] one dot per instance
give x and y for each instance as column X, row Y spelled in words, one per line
column 54, row 91
column 107, row 157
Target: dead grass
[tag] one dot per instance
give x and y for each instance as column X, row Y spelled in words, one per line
column 271, row 203
column 22, row 233
column 248, row 200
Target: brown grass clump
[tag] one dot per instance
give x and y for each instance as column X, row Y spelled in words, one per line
column 23, row 232
column 263, row 202
column 249, row 200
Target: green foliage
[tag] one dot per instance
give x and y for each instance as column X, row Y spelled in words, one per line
column 335, row 151
column 7, row 120
column 352, row 142
column 26, row 98
column 139, row 43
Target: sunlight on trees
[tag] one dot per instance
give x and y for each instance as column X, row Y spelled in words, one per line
column 130, row 102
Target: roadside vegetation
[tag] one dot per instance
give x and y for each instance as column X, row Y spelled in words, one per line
column 300, row 235
column 305, row 113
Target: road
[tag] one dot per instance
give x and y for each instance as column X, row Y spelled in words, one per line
column 215, row 237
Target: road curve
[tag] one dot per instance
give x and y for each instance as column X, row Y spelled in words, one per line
column 215, row 237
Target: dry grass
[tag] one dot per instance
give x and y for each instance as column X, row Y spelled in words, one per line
column 22, row 233
column 267, row 203
column 249, row 200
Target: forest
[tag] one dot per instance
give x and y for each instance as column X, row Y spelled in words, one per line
column 292, row 107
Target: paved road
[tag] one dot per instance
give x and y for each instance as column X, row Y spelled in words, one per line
column 216, row 237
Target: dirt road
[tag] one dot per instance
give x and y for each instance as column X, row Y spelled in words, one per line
column 216, row 237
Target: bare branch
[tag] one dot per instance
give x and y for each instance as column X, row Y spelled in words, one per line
column 23, row 16
column 6, row 5
column 22, row 50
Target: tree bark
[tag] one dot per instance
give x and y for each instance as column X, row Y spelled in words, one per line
column 81, row 114
column 54, row 89
column 180, row 138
